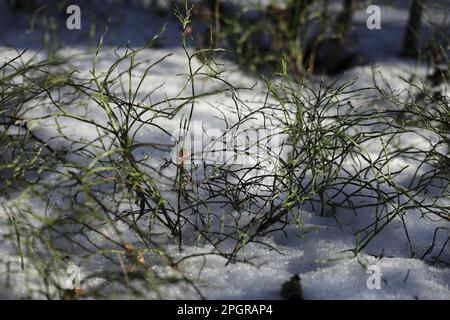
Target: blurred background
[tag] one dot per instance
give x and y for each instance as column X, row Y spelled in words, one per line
column 310, row 36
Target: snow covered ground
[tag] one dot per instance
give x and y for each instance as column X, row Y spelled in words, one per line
column 318, row 250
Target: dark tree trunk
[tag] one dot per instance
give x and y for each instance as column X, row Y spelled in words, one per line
column 346, row 19
column 412, row 35
column 337, row 50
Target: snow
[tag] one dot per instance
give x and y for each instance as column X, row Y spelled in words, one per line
column 319, row 249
